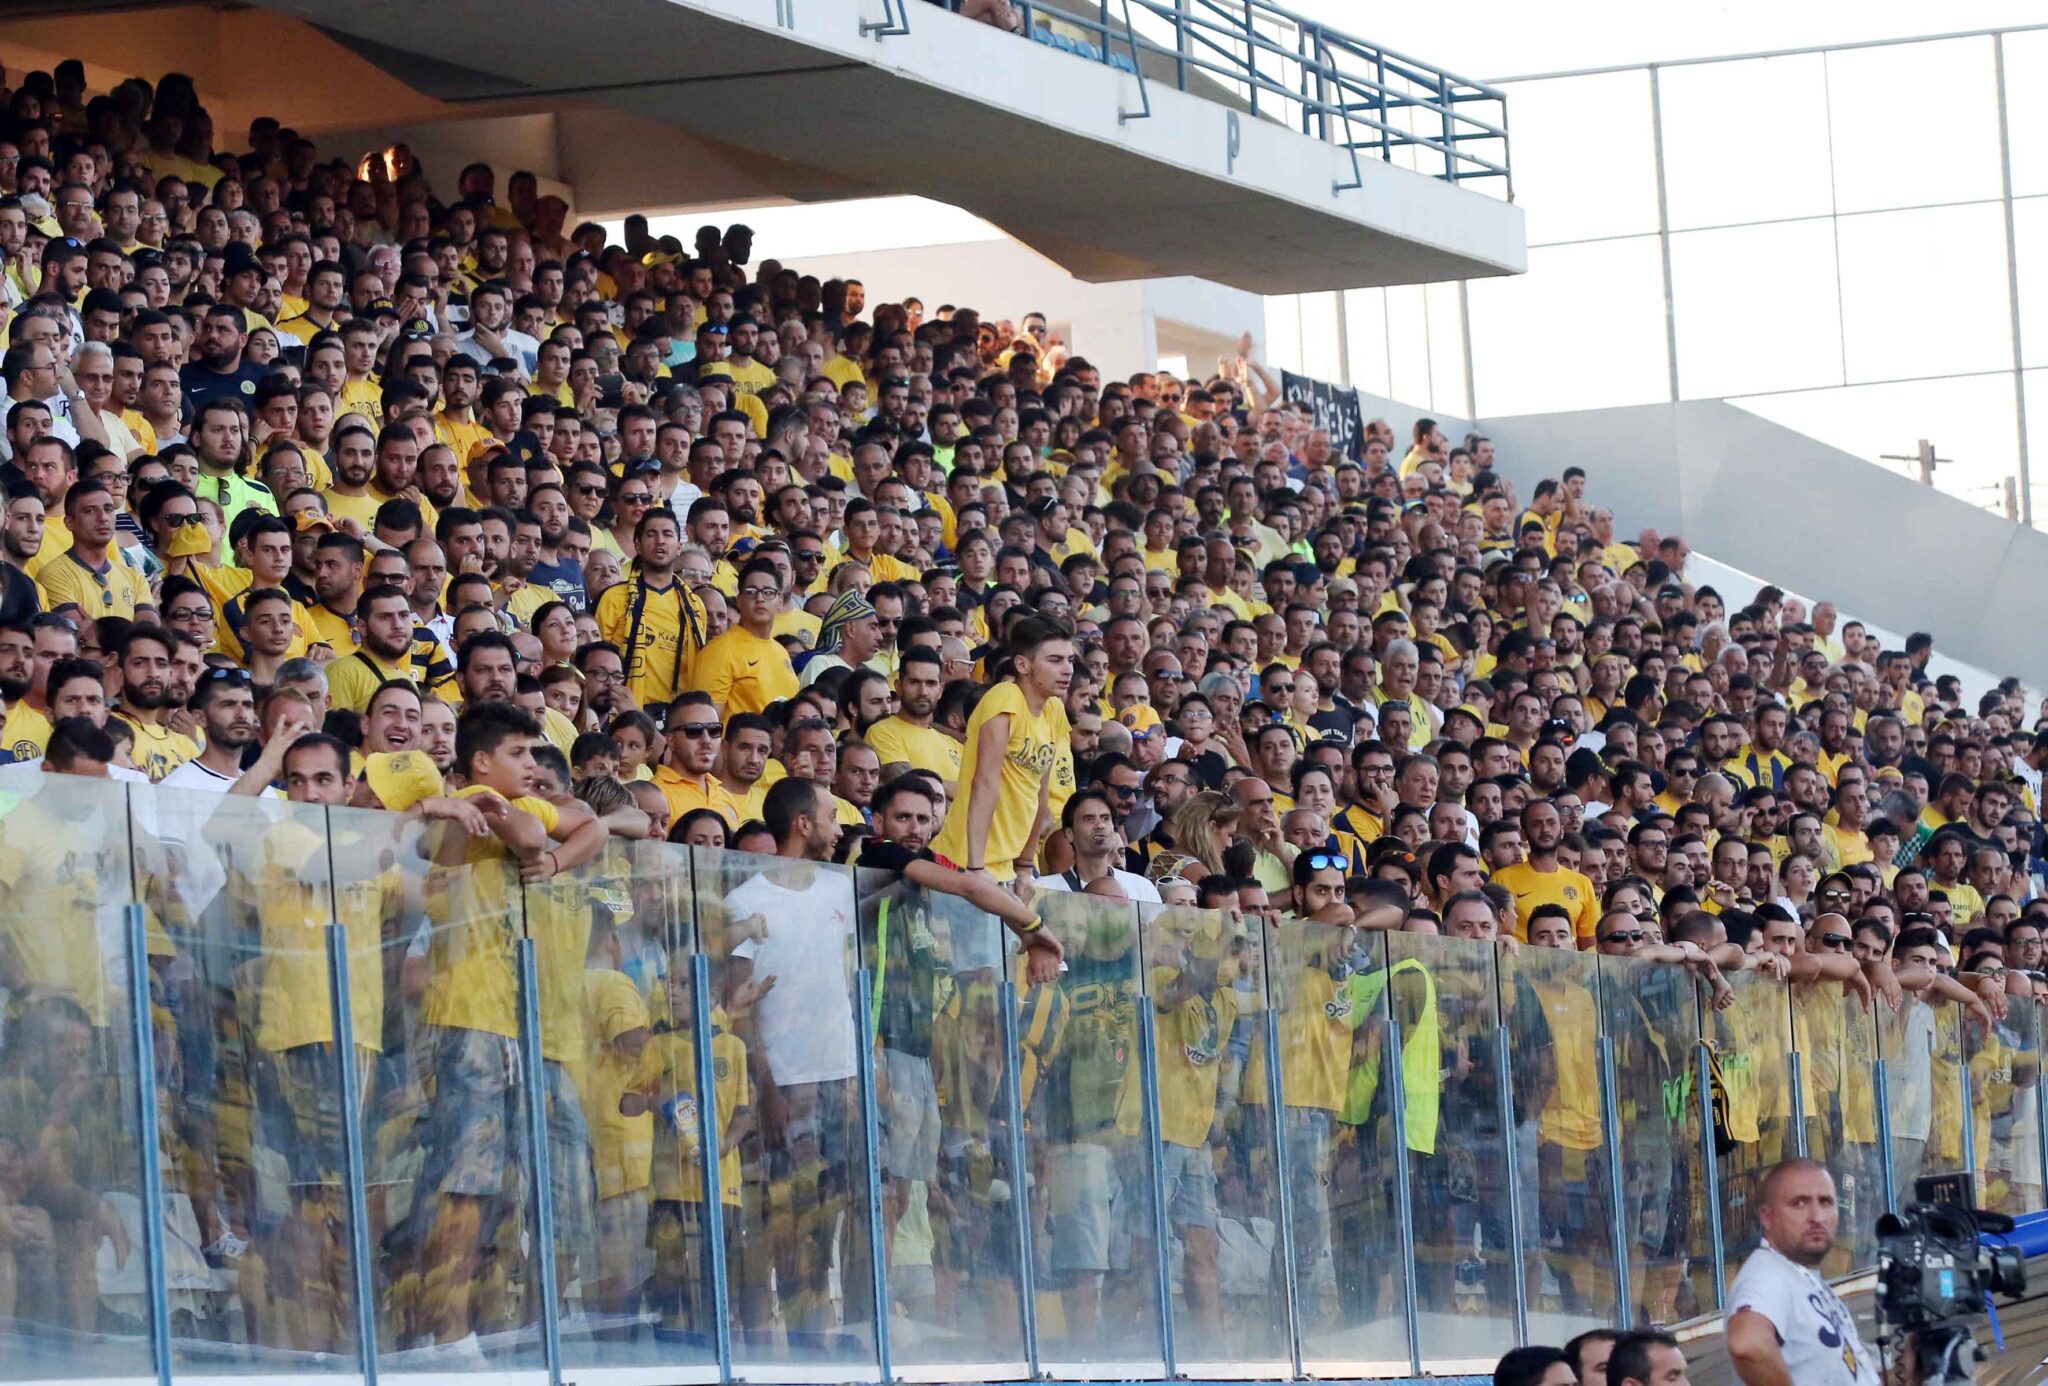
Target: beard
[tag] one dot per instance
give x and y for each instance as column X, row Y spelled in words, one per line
column 14, row 690
column 145, row 699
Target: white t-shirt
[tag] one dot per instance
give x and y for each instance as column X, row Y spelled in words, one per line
column 1140, row 890
column 807, row 1020
column 1910, row 1075
column 193, row 775
column 1816, row 1329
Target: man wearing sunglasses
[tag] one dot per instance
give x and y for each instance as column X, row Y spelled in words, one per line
column 695, row 736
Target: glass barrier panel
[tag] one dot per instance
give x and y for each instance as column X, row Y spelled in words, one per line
column 73, row 1285
column 1205, row 982
column 1859, row 1172
column 612, row 944
column 1821, row 1032
column 1550, row 999
column 1944, row 1152
column 1650, row 1011
column 443, row 1116
column 2024, row 1160
column 782, row 937
column 245, row 891
column 1752, row 1047
column 1090, row 1176
column 937, row 965
column 2001, row 1056
column 1908, row 1040
column 1331, row 1003
column 1457, row 1151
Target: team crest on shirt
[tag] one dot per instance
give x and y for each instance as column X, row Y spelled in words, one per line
column 26, row 749
column 1338, row 1009
column 721, row 1069
column 1571, row 892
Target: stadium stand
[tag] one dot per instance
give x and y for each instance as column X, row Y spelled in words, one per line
column 501, row 723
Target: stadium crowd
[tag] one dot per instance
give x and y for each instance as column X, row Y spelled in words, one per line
column 348, row 484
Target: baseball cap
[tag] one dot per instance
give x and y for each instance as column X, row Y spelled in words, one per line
column 1585, row 763
column 309, row 520
column 1141, row 718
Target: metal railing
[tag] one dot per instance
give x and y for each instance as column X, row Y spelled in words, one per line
column 1369, row 100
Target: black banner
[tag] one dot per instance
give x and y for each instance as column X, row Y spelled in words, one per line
column 1333, row 408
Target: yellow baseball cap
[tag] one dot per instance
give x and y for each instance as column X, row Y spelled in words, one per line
column 401, row 779
column 1141, row 718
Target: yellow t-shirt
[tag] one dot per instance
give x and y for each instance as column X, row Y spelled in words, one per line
column 678, row 1155
column 287, row 886
column 1190, row 1037
column 744, row 673
column 1571, row 1118
column 1559, row 887
column 660, row 632
column 25, row 732
column 362, row 509
column 365, row 397
column 621, row 1146
column 926, row 748
column 1027, row 763
column 159, row 750
column 685, row 794
column 749, row 378
column 115, row 590
column 476, row 911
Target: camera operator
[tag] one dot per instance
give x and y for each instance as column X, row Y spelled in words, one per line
column 1785, row 1324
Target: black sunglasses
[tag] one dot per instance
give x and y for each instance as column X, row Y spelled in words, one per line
column 1624, row 936
column 1328, row 861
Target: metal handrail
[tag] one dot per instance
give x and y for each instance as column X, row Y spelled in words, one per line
column 1335, row 87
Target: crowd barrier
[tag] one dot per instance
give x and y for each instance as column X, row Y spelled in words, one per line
column 326, row 1092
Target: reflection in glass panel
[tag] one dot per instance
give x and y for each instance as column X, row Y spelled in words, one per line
column 1205, row 994
column 1950, row 316
column 1651, row 1015
column 1549, row 998
column 1947, row 136
column 1464, row 1264
column 245, row 891
column 2026, row 110
column 77, row 1294
column 1744, row 141
column 798, row 1255
column 1091, row 1184
column 1583, row 329
column 1752, row 1040
column 1970, row 420
column 1568, row 195
column 2005, row 1071
column 943, row 1117
column 1729, row 343
column 1330, row 1000
column 444, row 1118
column 613, row 940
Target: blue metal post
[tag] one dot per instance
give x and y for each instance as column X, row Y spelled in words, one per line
column 1969, row 1114
column 707, row 1145
column 150, row 1143
column 1884, row 1134
column 1276, row 1103
column 341, row 996
column 1020, row 1175
column 864, row 1023
column 543, row 1166
column 1617, row 1222
column 1162, row 1270
column 1797, row 1075
column 1712, row 1173
column 1504, row 1083
column 1404, row 1210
